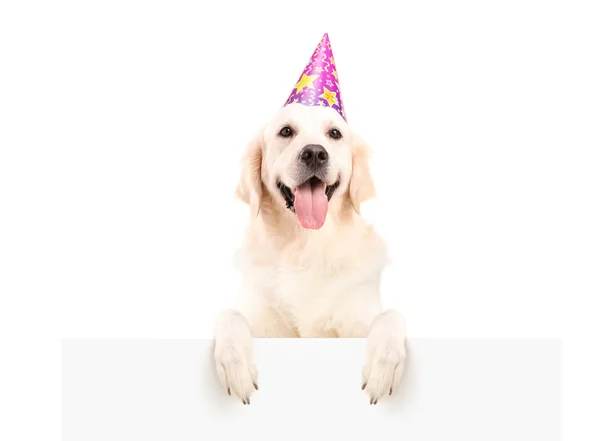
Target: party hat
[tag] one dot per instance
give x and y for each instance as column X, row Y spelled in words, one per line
column 319, row 85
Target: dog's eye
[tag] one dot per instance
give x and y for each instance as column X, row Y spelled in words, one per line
column 286, row 132
column 335, row 134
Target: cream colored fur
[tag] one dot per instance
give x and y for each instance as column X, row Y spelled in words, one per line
column 308, row 283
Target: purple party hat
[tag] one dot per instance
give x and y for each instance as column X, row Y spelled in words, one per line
column 318, row 85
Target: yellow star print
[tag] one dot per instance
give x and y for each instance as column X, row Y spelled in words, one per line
column 306, row 80
column 331, row 60
column 335, row 74
column 319, row 69
column 329, row 96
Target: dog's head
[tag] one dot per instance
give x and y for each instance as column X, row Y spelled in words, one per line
column 306, row 159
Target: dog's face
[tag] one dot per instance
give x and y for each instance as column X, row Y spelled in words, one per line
column 306, row 157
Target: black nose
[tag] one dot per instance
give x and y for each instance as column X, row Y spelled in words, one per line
column 314, row 156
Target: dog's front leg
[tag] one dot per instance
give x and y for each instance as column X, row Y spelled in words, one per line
column 386, row 354
column 233, row 355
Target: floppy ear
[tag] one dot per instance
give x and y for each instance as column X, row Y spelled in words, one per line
column 249, row 188
column 361, row 187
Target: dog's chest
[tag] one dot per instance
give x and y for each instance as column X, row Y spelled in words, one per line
column 308, row 288
column 309, row 298
column 307, row 285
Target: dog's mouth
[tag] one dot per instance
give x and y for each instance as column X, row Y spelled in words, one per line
column 309, row 200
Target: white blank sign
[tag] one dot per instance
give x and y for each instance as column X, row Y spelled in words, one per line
column 463, row 389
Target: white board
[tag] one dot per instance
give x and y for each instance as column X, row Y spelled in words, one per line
column 471, row 389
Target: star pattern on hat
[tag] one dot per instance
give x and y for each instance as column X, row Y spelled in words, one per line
column 329, row 96
column 305, row 81
column 319, row 83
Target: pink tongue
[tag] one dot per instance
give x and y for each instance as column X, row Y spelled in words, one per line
column 310, row 204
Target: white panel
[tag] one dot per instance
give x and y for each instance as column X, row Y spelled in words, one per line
column 471, row 389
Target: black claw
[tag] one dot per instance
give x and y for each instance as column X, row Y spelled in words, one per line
column 390, row 391
column 375, row 402
column 363, row 386
column 229, row 391
column 255, row 386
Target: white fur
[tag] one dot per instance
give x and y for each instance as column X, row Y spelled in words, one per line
column 308, row 283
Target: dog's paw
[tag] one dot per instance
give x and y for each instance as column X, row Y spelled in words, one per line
column 385, row 358
column 233, row 357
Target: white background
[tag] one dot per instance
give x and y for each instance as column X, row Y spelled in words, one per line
column 121, row 128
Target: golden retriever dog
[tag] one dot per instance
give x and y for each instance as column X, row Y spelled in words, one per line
column 311, row 265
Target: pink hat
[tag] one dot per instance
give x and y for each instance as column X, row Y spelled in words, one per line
column 319, row 85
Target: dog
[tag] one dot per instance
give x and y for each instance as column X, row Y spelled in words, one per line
column 311, row 264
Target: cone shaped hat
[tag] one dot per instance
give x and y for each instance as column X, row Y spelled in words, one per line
column 319, row 84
